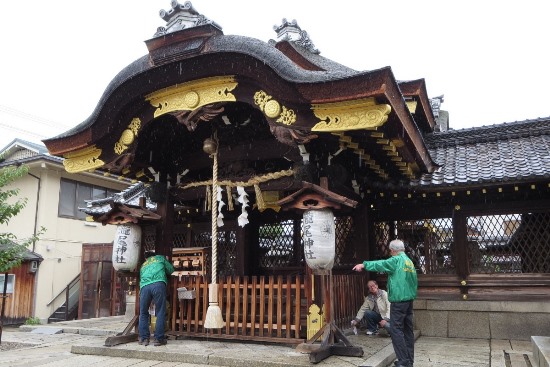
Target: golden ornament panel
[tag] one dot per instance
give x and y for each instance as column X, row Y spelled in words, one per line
column 350, row 115
column 192, row 95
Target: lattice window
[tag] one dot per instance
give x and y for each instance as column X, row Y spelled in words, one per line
column 227, row 253
column 345, row 251
column 510, row 243
column 276, row 242
column 180, row 240
column 428, row 242
column 382, row 238
column 149, row 235
column 227, row 249
column 202, row 239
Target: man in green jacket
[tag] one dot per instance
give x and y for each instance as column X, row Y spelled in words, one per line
column 153, row 280
column 402, row 286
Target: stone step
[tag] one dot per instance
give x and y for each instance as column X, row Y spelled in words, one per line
column 541, row 351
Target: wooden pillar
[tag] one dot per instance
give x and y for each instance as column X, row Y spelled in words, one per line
column 165, row 229
column 242, row 261
column 298, row 248
column 460, row 248
column 363, row 241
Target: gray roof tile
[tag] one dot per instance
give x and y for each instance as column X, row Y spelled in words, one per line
column 506, row 153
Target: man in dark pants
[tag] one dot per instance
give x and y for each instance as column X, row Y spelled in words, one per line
column 402, row 286
column 153, row 280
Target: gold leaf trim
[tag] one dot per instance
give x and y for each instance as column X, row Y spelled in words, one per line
column 273, row 109
column 128, row 136
column 192, row 95
column 350, row 115
column 411, row 105
column 83, row 160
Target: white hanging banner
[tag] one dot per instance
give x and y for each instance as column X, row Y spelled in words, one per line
column 126, row 247
column 243, row 199
column 319, row 239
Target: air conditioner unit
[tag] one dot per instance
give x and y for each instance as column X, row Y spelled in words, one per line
column 33, row 266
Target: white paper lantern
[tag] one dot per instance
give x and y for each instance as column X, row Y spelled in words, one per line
column 319, row 239
column 126, row 247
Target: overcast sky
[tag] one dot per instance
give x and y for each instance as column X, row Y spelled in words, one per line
column 490, row 59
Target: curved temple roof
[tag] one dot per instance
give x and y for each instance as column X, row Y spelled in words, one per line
column 272, row 106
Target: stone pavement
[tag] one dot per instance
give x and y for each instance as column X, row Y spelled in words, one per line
column 81, row 344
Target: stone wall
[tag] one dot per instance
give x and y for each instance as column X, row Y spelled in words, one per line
column 482, row 319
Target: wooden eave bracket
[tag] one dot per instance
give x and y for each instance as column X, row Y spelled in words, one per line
column 121, row 213
column 316, row 195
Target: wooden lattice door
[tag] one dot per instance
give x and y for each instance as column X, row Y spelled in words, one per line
column 96, row 281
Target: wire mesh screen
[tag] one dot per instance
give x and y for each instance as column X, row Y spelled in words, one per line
column 227, row 249
column 511, row 243
column 278, row 247
column 179, row 239
column 227, row 253
column 276, row 242
column 346, row 254
column 428, row 242
column 149, row 235
column 382, row 237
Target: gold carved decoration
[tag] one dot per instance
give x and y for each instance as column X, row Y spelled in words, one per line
column 315, row 321
column 273, row 109
column 411, row 105
column 128, row 136
column 192, row 95
column 83, row 160
column 350, row 115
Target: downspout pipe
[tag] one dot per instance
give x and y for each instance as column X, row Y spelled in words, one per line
column 36, row 209
column 34, row 242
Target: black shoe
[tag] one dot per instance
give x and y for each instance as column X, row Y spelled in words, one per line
column 144, row 341
column 158, row 343
column 399, row 364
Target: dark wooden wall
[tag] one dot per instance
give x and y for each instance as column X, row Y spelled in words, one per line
column 19, row 304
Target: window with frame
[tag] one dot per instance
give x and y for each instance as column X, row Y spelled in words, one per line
column 11, row 283
column 73, row 195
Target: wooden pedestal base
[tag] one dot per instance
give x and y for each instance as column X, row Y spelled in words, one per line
column 126, row 336
column 333, row 342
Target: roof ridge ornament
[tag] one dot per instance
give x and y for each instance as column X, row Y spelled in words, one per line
column 291, row 32
column 435, row 104
column 181, row 17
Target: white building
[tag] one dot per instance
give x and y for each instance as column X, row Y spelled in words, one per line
column 54, row 197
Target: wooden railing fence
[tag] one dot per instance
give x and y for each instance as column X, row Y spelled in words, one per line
column 272, row 308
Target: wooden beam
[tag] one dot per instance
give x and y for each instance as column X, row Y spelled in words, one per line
column 256, row 151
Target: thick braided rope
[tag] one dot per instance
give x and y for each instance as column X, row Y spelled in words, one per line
column 230, row 206
column 253, row 181
column 215, row 219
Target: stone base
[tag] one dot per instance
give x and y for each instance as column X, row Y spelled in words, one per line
column 482, row 319
column 541, row 351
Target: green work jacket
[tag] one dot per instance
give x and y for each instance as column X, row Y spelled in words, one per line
column 402, row 280
column 155, row 269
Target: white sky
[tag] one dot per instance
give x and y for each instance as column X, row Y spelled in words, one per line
column 490, row 59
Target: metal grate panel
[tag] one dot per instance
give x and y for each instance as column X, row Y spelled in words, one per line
column 510, row 243
column 346, row 253
column 428, row 242
column 276, row 242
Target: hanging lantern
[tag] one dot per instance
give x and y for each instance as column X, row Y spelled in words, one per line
column 319, row 239
column 126, row 247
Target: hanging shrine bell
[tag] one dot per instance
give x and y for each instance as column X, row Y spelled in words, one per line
column 126, row 247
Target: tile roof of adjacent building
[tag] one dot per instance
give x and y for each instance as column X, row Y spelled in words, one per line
column 24, row 151
column 129, row 196
column 512, row 152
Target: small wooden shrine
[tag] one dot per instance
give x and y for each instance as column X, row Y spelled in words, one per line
column 470, row 204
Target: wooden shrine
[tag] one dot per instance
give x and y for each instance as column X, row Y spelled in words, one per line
column 472, row 206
